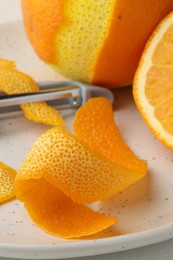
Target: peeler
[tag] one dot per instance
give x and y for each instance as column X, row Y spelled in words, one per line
column 62, row 94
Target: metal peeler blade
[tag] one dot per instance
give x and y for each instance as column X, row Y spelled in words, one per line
column 63, row 95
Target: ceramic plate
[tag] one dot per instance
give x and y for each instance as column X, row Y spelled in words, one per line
column 144, row 210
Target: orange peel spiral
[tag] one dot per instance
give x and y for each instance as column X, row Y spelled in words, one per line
column 61, row 173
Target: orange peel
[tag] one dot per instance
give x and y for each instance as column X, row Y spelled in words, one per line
column 81, row 173
column 94, row 125
column 99, row 42
column 60, row 174
column 7, row 177
column 12, row 81
column 56, row 213
column 52, row 178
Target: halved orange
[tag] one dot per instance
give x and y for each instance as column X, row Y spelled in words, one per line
column 153, row 82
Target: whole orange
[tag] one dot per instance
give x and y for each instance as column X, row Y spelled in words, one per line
column 94, row 41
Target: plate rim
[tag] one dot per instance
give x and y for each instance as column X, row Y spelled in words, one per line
column 94, row 246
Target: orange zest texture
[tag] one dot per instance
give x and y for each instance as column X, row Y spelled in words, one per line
column 61, row 174
column 94, row 125
column 152, row 87
column 13, row 81
column 99, row 42
column 57, row 176
column 7, row 177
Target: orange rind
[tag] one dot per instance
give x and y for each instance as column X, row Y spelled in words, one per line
column 7, row 177
column 61, row 174
column 60, row 165
column 81, row 173
column 56, row 179
column 94, row 125
column 99, row 42
column 13, row 81
column 56, row 213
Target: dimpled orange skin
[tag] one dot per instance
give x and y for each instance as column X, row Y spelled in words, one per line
column 7, row 177
column 59, row 175
column 42, row 29
column 73, row 175
column 56, row 213
column 82, row 174
column 58, row 165
column 94, row 123
column 122, row 35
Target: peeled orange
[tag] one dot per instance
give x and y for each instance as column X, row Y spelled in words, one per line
column 96, row 41
column 153, row 83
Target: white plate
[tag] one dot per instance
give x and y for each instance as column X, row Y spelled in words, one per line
column 144, row 210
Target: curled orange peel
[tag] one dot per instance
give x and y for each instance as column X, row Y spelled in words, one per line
column 58, row 162
column 7, row 177
column 61, row 173
column 56, row 213
column 94, row 125
column 12, row 81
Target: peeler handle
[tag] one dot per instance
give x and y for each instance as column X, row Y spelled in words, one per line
column 80, row 93
column 87, row 91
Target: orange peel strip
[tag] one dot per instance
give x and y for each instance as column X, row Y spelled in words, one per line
column 7, row 177
column 81, row 173
column 13, row 81
column 60, row 174
column 94, row 125
column 56, row 213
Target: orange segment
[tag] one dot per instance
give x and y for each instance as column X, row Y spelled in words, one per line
column 13, row 81
column 57, row 213
column 94, row 125
column 82, row 174
column 153, row 87
column 7, row 176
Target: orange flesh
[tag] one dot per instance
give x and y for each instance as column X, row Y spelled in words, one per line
column 159, row 84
